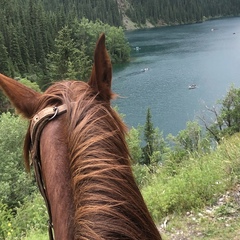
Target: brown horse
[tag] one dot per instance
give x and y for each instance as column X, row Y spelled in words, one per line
column 81, row 158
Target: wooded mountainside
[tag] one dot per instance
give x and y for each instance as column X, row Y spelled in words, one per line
column 179, row 11
column 28, row 28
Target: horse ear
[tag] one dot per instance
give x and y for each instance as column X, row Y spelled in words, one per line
column 22, row 97
column 101, row 77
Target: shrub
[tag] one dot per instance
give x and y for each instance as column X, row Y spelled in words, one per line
column 5, row 221
column 198, row 182
column 32, row 215
column 142, row 174
column 14, row 182
column 36, row 235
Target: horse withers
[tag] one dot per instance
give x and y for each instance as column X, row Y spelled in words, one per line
column 81, row 160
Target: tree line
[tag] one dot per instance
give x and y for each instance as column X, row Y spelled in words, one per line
column 29, row 29
column 179, row 11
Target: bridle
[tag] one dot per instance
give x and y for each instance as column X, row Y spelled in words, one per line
column 38, row 122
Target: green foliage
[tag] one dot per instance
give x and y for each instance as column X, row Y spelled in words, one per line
column 142, row 174
column 179, row 12
column 155, row 146
column 32, row 85
column 189, row 141
column 65, row 56
column 4, row 65
column 28, row 29
column 20, row 211
column 198, row 182
column 35, row 235
column 227, row 118
column 14, row 182
column 161, row 148
column 32, row 214
column 74, row 48
column 4, row 103
column 146, row 144
column 134, row 144
column 5, row 221
column 148, row 138
column 117, row 45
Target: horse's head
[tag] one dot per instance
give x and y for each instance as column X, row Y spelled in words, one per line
column 80, row 156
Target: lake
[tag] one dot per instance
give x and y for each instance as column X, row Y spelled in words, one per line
column 168, row 60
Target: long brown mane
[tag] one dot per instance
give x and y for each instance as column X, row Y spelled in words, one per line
column 105, row 192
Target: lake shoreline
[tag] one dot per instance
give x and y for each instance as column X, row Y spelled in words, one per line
column 131, row 26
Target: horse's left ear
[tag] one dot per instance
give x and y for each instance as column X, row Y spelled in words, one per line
column 23, row 98
column 101, row 77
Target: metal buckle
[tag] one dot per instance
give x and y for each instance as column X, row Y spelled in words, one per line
column 55, row 109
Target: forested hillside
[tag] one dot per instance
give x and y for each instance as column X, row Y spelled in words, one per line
column 161, row 12
column 28, row 29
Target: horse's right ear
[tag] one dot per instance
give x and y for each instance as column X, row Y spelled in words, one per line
column 24, row 99
column 101, row 77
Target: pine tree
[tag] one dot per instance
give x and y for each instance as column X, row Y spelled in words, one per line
column 4, row 65
column 15, row 52
column 148, row 138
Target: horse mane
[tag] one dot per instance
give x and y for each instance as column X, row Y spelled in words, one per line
column 108, row 204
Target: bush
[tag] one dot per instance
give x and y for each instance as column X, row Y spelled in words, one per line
column 142, row 174
column 5, row 221
column 199, row 181
column 30, row 216
column 15, row 184
column 134, row 144
column 36, row 235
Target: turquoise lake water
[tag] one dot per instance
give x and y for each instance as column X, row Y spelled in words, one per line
column 206, row 54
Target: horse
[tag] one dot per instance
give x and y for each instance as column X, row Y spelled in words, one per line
column 76, row 143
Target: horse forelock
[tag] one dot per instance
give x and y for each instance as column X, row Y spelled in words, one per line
column 107, row 201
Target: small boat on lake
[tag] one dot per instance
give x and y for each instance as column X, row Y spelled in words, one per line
column 192, row 86
column 144, row 69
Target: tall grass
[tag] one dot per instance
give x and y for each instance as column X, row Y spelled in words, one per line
column 199, row 181
column 30, row 220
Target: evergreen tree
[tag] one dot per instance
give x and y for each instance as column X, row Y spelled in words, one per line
column 4, row 65
column 15, row 52
column 148, row 138
column 60, row 59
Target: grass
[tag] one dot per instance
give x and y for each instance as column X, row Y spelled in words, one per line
column 190, row 201
column 199, row 182
column 196, row 227
column 36, row 235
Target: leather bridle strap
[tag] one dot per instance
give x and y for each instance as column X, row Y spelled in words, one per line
column 44, row 116
column 38, row 123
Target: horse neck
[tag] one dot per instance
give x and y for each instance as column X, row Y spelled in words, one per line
column 56, row 175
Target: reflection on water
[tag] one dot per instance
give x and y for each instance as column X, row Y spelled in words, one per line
column 170, row 59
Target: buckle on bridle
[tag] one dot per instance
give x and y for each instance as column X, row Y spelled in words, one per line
column 56, row 110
